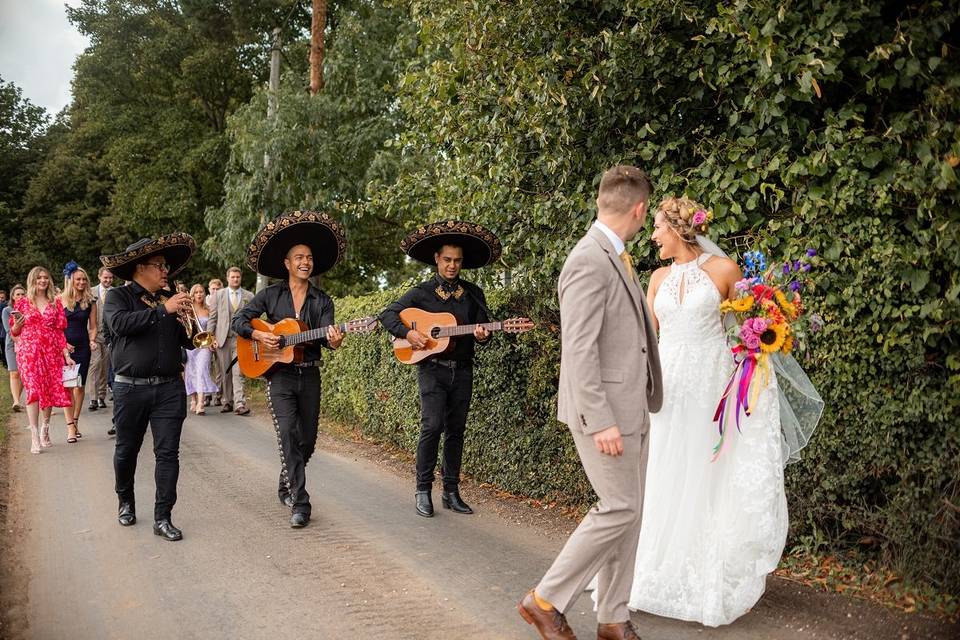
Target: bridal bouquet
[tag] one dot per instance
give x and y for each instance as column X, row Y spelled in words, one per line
column 769, row 319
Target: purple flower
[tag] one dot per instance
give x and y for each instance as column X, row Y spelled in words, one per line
column 796, row 265
column 816, row 323
column 811, row 252
column 805, row 267
column 786, row 268
column 794, row 286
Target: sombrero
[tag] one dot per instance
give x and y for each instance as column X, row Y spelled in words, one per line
column 177, row 248
column 319, row 231
column 480, row 246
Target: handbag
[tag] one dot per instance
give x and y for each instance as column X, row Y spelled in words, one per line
column 71, row 375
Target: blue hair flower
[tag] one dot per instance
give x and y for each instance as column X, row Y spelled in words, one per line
column 69, row 268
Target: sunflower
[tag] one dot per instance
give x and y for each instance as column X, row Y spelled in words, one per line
column 788, row 344
column 773, row 338
column 742, row 304
column 788, row 307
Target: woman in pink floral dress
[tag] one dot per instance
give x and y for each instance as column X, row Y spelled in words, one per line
column 41, row 353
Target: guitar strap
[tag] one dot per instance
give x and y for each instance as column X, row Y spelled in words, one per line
column 480, row 304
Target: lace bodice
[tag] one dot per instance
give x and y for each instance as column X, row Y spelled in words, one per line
column 687, row 305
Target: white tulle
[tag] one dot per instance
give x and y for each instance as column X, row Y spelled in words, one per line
column 711, row 531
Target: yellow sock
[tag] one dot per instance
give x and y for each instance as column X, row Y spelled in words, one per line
column 543, row 604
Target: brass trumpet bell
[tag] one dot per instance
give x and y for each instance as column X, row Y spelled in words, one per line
column 203, row 340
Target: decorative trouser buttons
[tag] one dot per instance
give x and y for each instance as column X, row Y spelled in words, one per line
column 276, row 428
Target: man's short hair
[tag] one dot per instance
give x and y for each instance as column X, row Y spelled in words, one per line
column 101, row 270
column 215, row 281
column 234, row 269
column 621, row 188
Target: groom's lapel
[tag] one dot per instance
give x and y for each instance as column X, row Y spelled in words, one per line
column 633, row 286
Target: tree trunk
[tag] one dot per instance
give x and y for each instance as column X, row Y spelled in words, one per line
column 317, row 27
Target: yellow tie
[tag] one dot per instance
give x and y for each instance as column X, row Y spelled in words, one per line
column 103, row 294
column 233, row 300
column 627, row 261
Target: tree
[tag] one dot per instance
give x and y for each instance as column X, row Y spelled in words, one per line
column 325, row 149
column 829, row 124
column 22, row 125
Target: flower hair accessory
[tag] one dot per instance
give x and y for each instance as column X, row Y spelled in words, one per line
column 69, row 268
column 700, row 219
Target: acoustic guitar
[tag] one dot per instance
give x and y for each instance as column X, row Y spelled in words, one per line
column 439, row 328
column 256, row 359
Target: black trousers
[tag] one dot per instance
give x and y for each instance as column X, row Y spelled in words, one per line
column 164, row 407
column 444, row 403
column 294, row 395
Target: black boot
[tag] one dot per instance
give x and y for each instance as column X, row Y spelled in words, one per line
column 451, row 500
column 424, row 504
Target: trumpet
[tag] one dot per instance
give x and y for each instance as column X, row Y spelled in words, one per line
column 188, row 318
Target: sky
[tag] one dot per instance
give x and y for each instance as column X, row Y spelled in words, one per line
column 37, row 50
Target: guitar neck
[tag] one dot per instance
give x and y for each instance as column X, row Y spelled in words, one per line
column 466, row 329
column 312, row 334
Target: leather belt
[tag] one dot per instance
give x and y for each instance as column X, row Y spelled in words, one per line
column 154, row 380
column 452, row 364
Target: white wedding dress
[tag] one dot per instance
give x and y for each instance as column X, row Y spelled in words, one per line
column 711, row 531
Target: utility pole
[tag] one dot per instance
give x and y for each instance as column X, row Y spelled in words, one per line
column 272, row 97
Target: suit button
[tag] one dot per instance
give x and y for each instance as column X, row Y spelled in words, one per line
column 643, row 349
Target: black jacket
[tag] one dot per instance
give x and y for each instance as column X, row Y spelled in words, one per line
column 469, row 308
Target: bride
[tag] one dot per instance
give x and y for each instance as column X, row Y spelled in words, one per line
column 712, row 530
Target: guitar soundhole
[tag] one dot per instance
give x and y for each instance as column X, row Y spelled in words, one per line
column 435, row 333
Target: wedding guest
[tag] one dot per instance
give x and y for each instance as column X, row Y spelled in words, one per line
column 212, row 287
column 81, row 335
column 98, row 380
column 10, row 342
column 3, row 329
column 41, row 353
column 197, row 374
column 225, row 305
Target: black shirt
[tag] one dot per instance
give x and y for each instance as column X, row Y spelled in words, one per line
column 468, row 308
column 146, row 339
column 276, row 302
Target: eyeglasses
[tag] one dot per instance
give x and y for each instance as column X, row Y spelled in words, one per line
column 162, row 266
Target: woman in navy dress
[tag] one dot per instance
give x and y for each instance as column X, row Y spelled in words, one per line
column 81, row 334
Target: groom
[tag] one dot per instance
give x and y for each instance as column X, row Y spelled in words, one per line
column 609, row 382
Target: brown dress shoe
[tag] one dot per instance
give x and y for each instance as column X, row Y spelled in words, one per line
column 617, row 631
column 551, row 625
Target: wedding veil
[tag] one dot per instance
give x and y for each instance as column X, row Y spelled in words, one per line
column 800, row 405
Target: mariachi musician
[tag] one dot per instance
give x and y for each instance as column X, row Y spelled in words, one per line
column 446, row 380
column 147, row 326
column 294, row 247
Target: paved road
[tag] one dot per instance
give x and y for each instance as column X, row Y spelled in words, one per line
column 367, row 566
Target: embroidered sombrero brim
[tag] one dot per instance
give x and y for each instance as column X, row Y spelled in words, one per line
column 480, row 246
column 319, row 231
column 176, row 248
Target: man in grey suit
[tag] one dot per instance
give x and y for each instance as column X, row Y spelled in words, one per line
column 100, row 357
column 227, row 302
column 609, row 382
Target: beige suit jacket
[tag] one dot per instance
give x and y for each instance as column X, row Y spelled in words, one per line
column 609, row 363
column 221, row 314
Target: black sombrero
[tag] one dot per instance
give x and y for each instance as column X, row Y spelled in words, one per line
column 480, row 246
column 177, row 248
column 319, row 231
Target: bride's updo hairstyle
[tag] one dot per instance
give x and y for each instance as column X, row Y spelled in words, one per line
column 685, row 216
